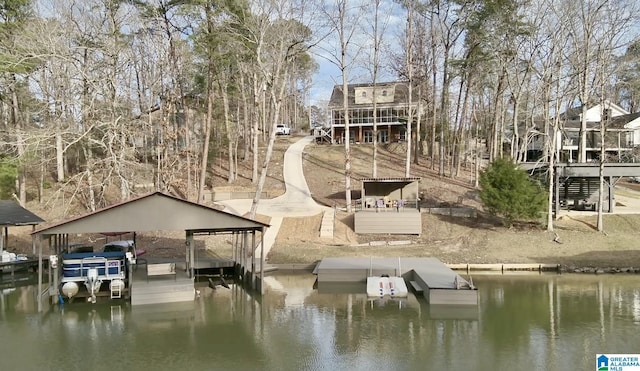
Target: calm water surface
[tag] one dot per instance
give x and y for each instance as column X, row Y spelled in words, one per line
column 525, row 322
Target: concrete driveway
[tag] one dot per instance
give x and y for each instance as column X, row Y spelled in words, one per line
column 295, row 202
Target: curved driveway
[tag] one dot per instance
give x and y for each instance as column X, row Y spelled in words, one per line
column 296, row 200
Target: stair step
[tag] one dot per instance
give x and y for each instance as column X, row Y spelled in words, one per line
column 326, row 227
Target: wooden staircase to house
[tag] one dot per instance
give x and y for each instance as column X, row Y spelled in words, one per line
column 322, row 135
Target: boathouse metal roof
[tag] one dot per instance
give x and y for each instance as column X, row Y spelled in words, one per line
column 12, row 214
column 155, row 211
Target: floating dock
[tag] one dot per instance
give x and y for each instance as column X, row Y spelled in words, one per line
column 428, row 277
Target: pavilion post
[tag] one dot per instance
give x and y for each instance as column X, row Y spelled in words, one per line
column 261, row 261
column 245, row 252
column 191, row 264
column 253, row 259
column 39, row 275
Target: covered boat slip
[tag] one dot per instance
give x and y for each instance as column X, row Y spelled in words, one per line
column 159, row 212
column 161, row 282
column 426, row 276
column 13, row 215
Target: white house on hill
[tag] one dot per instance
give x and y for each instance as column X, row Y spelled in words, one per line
column 622, row 132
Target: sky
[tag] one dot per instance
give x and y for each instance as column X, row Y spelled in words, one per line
column 328, row 73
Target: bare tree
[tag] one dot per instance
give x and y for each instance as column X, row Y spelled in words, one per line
column 378, row 30
column 409, row 71
column 275, row 40
column 343, row 21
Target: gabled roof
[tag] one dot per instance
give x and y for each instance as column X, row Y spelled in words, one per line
column 155, row 211
column 574, row 113
column 401, row 93
column 620, row 122
column 617, row 122
column 575, row 124
column 12, row 214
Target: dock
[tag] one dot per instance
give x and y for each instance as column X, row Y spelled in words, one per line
column 159, row 290
column 15, row 266
column 427, row 277
column 167, row 281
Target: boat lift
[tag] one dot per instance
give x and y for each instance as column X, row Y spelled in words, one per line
column 381, row 286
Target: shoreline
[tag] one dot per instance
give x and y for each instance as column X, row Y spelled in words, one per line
column 492, row 268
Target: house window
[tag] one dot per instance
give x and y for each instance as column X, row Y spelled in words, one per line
column 384, row 115
column 368, row 136
column 383, row 136
column 384, row 93
column 402, row 136
column 352, row 137
column 338, row 118
column 364, row 94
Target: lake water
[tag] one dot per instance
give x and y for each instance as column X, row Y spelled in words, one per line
column 526, row 322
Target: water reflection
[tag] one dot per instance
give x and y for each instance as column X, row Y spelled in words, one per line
column 16, row 293
column 539, row 322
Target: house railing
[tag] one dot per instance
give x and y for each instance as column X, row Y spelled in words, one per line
column 380, row 204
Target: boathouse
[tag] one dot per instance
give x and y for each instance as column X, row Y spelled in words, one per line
column 14, row 215
column 159, row 211
column 388, row 206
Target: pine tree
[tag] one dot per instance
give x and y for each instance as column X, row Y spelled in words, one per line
column 508, row 192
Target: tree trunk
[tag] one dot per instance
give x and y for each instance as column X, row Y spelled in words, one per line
column 255, row 130
column 409, row 63
column 15, row 119
column 227, row 127
column 207, row 132
column 416, row 155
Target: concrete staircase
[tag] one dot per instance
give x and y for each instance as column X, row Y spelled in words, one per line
column 328, row 221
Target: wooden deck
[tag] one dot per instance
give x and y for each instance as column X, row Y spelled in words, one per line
column 170, row 288
column 427, row 276
column 166, row 280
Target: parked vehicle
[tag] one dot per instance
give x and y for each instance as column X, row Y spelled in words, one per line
column 282, row 129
